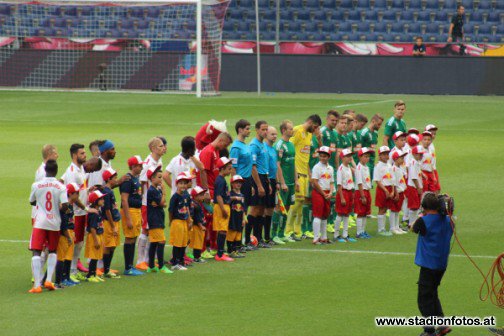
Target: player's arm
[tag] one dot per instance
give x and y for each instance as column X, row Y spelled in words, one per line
column 296, row 182
column 125, row 206
column 120, row 181
column 162, row 202
column 33, row 198
column 340, row 192
column 316, row 186
column 331, row 190
column 450, row 31
column 201, row 168
column 167, row 177
column 382, row 187
column 419, row 227
column 257, row 180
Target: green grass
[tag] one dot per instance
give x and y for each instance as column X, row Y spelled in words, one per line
column 295, row 291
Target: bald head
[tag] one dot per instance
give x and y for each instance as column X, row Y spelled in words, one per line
column 271, row 135
column 49, row 152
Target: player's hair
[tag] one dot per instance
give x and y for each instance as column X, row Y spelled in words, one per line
column 419, row 38
column 346, row 112
column 188, row 144
column 51, row 168
column 75, row 148
column 153, row 142
column 459, row 6
column 333, row 113
column 283, row 125
column 430, row 201
column 399, row 103
column 377, row 117
column 95, row 143
column 47, row 150
column 163, row 139
column 260, row 123
column 225, row 135
column 315, row 118
column 241, row 124
column 343, row 117
column 361, row 118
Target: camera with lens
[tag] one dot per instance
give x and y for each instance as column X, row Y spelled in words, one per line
column 446, row 205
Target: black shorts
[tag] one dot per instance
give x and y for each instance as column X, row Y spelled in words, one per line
column 246, row 190
column 271, row 201
column 255, row 200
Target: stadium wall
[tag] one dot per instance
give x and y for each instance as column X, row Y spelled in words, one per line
column 365, row 74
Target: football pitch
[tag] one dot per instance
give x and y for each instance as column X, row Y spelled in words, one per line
column 295, row 289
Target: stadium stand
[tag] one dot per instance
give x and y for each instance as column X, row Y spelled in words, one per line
column 300, row 20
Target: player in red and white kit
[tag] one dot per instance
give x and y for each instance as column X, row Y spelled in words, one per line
column 433, row 130
column 400, row 145
column 362, row 194
column 322, row 179
column 50, row 196
column 385, row 190
column 154, row 159
column 344, row 196
column 414, row 189
column 398, row 174
column 428, row 179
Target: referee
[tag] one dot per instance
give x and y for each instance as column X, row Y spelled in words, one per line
column 456, row 31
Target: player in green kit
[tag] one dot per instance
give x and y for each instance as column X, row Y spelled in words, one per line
column 330, row 139
column 306, row 225
column 359, row 123
column 342, row 139
column 369, row 138
column 288, row 182
column 395, row 123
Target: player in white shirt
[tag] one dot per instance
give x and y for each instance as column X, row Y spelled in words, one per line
column 49, row 152
column 157, row 148
column 400, row 188
column 362, row 196
column 400, row 143
column 433, row 130
column 344, row 196
column 322, row 179
column 414, row 189
column 412, row 140
column 50, row 196
column 185, row 161
column 107, row 154
column 429, row 179
column 385, row 189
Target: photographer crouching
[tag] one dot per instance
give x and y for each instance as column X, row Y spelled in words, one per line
column 433, row 248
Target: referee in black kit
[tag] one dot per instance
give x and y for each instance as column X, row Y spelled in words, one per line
column 456, row 32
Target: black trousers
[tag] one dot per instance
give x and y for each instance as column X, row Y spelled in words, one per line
column 428, row 299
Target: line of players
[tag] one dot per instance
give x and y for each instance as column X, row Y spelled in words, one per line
column 269, row 178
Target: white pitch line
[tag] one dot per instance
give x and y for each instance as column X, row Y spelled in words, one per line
column 373, row 252
column 366, row 103
column 409, row 254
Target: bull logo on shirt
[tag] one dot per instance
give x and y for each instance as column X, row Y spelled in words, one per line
column 427, row 161
column 387, row 176
column 183, row 210
column 368, row 180
column 237, row 207
column 350, row 180
column 326, row 176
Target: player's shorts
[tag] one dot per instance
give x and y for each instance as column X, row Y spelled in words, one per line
column 413, row 198
column 196, row 238
column 145, row 224
column 321, row 208
column 220, row 223
column 437, row 185
column 246, row 190
column 65, row 250
column 288, row 197
column 109, row 240
column 381, row 200
column 157, row 235
column 90, row 251
column 429, row 181
column 80, row 228
column 359, row 208
column 255, row 199
column 233, row 236
column 346, row 209
column 271, row 196
column 41, row 238
column 136, row 220
column 396, row 206
column 304, row 183
column 237, row 224
column 179, row 233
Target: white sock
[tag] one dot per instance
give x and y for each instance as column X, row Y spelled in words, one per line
column 51, row 266
column 316, row 228
column 345, row 227
column 392, row 218
column 397, row 222
column 36, row 266
column 43, row 258
column 146, row 249
column 358, row 222
column 323, row 229
column 76, row 255
column 413, row 215
column 381, row 223
column 337, row 226
column 142, row 241
column 364, row 221
column 405, row 210
column 100, row 264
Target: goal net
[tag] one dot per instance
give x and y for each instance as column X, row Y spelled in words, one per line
column 169, row 46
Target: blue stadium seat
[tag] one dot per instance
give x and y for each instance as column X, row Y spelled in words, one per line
column 295, row 4
column 484, row 28
column 407, row 15
column 398, row 27
column 468, row 28
column 500, row 5
column 228, row 25
column 414, row 27
column 389, row 15
column 286, row 14
column 432, row 4
column 309, row 27
column 302, row 14
column 267, row 14
column 432, row 28
column 318, row 15
column 415, row 4
column 345, row 4
column 370, row 14
column 328, row 4
column 380, row 27
column 424, row 16
column 242, row 26
column 336, row 15
column 371, row 37
column 264, row 4
column 468, row 4
column 246, row 3
column 314, row 36
column 493, row 16
column 344, row 27
column 313, row 4
column 329, row 27
column 334, row 37
column 379, row 4
column 363, row 27
column 234, row 13
column 442, row 15
column 364, row 4
column 500, row 29
column 450, row 4
column 385, row 37
column 354, row 15
column 476, row 16
column 485, row 4
column 496, row 39
column 268, row 36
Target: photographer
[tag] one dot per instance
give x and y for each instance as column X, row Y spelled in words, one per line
column 433, row 248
